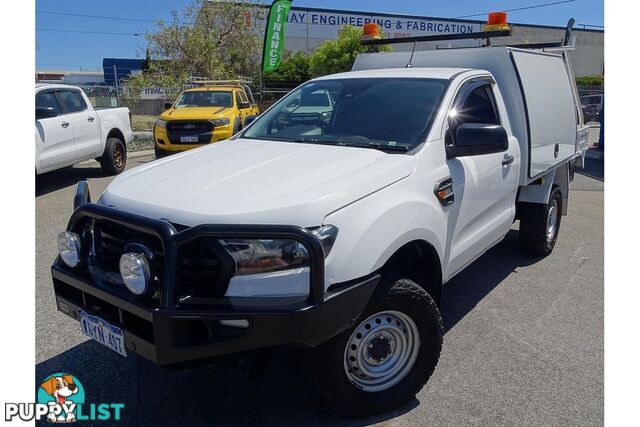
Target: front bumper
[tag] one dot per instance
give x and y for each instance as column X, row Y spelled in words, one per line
column 188, row 337
column 163, row 140
column 185, row 335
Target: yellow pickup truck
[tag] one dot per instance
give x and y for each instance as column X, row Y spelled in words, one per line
column 214, row 111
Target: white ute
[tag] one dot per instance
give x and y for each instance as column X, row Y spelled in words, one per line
column 69, row 130
column 335, row 231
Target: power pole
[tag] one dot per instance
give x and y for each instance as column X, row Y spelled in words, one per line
column 115, row 80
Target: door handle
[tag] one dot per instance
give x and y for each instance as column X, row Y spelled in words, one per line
column 64, row 124
column 507, row 160
column 91, row 119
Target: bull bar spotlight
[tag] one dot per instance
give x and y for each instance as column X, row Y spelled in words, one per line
column 69, row 248
column 134, row 269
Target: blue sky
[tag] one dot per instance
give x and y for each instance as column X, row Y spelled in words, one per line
column 71, row 51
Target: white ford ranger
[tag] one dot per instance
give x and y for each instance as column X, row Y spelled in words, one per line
column 333, row 232
column 69, row 130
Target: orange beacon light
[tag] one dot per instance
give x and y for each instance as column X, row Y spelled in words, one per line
column 497, row 21
column 370, row 31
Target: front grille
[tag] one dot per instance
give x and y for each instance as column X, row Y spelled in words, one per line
column 191, row 127
column 202, row 271
column 107, row 242
column 203, row 267
column 202, row 129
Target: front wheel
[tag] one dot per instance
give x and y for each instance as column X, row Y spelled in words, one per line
column 160, row 153
column 237, row 125
column 388, row 355
column 540, row 224
column 114, row 158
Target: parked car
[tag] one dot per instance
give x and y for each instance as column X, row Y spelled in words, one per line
column 338, row 236
column 203, row 115
column 69, row 130
column 591, row 106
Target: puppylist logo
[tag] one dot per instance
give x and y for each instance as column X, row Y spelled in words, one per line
column 61, row 399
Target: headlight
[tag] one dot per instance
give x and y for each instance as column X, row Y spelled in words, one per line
column 161, row 123
column 69, row 248
column 134, row 270
column 263, row 256
column 220, row 122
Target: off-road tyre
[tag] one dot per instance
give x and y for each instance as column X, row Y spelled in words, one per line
column 160, row 153
column 326, row 365
column 536, row 236
column 114, row 158
column 237, row 125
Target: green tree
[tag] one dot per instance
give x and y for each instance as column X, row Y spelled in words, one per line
column 211, row 39
column 335, row 56
column 293, row 69
column 590, row 80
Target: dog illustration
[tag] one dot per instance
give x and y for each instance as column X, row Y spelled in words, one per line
column 60, row 388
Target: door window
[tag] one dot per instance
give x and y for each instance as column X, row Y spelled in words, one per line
column 241, row 97
column 72, row 101
column 478, row 107
column 48, row 100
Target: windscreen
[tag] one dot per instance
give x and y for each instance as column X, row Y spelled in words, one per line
column 391, row 114
column 205, row 98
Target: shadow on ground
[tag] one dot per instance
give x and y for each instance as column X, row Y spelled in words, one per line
column 593, row 168
column 62, row 178
column 224, row 395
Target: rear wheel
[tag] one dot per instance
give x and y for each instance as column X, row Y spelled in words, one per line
column 540, row 224
column 114, row 158
column 387, row 356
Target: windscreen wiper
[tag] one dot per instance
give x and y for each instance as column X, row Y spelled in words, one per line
column 376, row 145
column 385, row 147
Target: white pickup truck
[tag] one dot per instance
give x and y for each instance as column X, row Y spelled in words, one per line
column 69, row 130
column 335, row 233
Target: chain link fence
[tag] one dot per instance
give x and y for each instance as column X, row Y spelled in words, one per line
column 592, row 100
column 146, row 107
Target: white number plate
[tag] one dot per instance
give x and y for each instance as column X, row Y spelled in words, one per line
column 193, row 138
column 101, row 331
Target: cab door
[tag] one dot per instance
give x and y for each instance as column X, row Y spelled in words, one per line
column 485, row 185
column 54, row 135
column 86, row 127
column 244, row 106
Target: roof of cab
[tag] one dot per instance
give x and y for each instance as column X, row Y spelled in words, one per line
column 417, row 72
column 201, row 88
column 54, row 86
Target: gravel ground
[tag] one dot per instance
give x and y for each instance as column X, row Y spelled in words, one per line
column 523, row 345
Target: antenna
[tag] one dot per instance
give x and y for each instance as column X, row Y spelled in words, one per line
column 411, row 57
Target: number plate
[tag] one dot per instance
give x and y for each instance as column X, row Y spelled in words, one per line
column 101, row 331
column 189, row 138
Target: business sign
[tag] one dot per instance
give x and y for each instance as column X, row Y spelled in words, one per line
column 313, row 24
column 275, row 34
column 157, row 92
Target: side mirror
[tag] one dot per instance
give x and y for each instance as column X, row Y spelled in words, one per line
column 45, row 113
column 294, row 103
column 249, row 119
column 242, row 105
column 474, row 139
column 167, row 105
